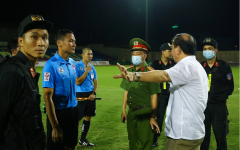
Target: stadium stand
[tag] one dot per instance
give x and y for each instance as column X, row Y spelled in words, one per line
column 77, row 56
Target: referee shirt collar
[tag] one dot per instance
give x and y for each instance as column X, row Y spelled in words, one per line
column 61, row 60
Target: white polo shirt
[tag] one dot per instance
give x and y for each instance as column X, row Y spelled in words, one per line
column 187, row 101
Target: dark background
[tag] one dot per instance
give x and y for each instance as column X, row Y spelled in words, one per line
column 116, row 22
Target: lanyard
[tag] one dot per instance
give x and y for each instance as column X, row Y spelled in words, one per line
column 164, row 85
column 209, row 81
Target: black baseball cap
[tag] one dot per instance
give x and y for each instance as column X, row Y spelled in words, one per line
column 210, row 41
column 165, row 46
column 33, row 22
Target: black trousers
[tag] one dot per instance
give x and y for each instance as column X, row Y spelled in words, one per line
column 217, row 116
column 161, row 109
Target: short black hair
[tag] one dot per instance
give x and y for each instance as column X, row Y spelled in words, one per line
column 85, row 49
column 186, row 42
column 12, row 44
column 62, row 34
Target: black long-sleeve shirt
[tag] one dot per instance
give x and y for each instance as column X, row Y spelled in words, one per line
column 220, row 81
column 13, row 90
column 159, row 65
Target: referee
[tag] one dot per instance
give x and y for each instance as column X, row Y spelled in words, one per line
column 86, row 86
column 59, row 77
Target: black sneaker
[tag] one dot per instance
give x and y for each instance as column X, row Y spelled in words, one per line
column 155, row 144
column 86, row 143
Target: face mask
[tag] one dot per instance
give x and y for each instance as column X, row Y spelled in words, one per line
column 208, row 54
column 137, row 60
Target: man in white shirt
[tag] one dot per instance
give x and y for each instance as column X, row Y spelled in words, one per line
column 184, row 125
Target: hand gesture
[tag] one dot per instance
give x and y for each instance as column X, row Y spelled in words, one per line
column 125, row 74
column 57, row 134
column 92, row 97
column 153, row 123
column 87, row 68
column 124, row 115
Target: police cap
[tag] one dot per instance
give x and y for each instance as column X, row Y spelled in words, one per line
column 165, row 46
column 33, row 22
column 139, row 44
column 210, row 41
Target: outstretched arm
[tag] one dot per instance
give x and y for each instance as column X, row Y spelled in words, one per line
column 154, row 76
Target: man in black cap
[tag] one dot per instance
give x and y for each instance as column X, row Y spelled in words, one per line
column 13, row 47
column 165, row 62
column 21, row 125
column 221, row 85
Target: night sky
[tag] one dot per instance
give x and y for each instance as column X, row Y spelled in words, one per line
column 116, row 22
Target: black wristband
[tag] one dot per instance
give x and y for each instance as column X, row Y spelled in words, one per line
column 94, row 93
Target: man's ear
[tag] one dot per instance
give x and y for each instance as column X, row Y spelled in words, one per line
column 59, row 43
column 20, row 41
column 12, row 51
column 178, row 50
column 145, row 56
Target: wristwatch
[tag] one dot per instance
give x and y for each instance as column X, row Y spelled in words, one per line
column 138, row 76
column 94, row 93
column 153, row 117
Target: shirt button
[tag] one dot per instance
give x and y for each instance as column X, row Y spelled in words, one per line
column 130, row 97
column 130, row 103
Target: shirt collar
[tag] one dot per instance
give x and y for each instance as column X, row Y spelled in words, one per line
column 191, row 57
column 24, row 59
column 62, row 61
column 143, row 65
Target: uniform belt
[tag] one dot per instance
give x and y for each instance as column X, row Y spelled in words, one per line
column 137, row 108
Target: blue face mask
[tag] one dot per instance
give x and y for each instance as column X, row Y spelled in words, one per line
column 208, row 54
column 137, row 60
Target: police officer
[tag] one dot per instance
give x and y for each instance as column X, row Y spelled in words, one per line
column 165, row 62
column 86, row 87
column 13, row 47
column 59, row 77
column 221, row 85
column 141, row 98
column 21, row 125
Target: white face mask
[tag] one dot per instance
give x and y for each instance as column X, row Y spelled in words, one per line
column 137, row 60
column 208, row 54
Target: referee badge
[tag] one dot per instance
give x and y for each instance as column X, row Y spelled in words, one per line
column 81, row 68
column 73, row 67
column 61, row 70
column 92, row 75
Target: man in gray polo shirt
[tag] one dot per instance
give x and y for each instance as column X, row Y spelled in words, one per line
column 184, row 125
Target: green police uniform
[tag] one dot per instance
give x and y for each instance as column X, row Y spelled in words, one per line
column 140, row 134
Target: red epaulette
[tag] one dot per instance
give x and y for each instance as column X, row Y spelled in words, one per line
column 150, row 68
column 129, row 67
column 205, row 64
column 32, row 72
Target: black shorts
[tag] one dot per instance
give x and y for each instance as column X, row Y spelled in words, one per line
column 87, row 107
column 68, row 121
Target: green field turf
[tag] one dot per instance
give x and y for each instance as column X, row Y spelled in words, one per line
column 107, row 131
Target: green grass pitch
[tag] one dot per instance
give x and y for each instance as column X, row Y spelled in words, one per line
column 107, row 131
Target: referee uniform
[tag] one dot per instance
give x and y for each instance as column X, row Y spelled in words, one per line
column 88, row 107
column 60, row 75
